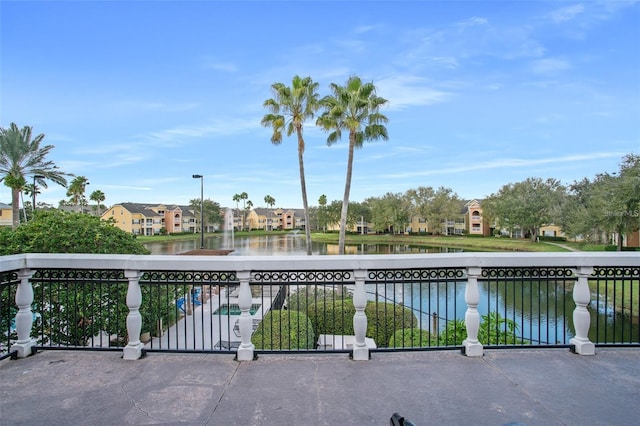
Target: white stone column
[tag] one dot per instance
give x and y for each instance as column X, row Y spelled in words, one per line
column 24, row 317
column 581, row 318
column 246, row 349
column 133, row 350
column 360, row 349
column 472, row 347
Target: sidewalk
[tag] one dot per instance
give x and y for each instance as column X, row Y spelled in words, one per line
column 528, row 387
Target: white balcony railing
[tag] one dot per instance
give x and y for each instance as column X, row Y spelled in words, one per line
column 360, row 271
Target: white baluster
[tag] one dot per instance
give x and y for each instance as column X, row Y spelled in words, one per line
column 472, row 347
column 581, row 318
column 360, row 349
column 24, row 317
column 133, row 350
column 246, row 349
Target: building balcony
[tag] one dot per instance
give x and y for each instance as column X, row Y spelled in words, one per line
column 140, row 334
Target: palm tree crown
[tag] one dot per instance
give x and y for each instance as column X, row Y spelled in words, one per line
column 76, row 191
column 289, row 109
column 22, row 156
column 353, row 108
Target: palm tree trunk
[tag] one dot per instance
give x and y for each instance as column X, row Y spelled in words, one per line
column 303, row 186
column 15, row 207
column 345, row 199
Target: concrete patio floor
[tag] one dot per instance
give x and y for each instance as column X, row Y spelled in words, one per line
column 505, row 387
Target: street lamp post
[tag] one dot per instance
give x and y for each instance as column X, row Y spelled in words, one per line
column 201, row 209
column 33, row 207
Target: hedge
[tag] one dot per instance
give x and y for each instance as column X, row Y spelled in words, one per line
column 383, row 319
column 284, row 329
column 412, row 338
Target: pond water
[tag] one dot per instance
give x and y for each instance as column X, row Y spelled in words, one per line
column 286, row 245
column 542, row 314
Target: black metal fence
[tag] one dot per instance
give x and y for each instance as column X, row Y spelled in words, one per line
column 313, row 311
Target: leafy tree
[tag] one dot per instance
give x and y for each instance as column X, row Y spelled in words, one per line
column 390, row 212
column 72, row 310
column 20, row 156
column 333, row 212
column 322, row 212
column 527, row 205
column 354, row 108
column 436, row 206
column 289, row 109
column 55, row 231
column 76, row 191
column 622, row 192
column 212, row 211
column 97, row 196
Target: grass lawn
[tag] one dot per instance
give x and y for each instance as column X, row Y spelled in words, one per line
column 472, row 243
column 622, row 294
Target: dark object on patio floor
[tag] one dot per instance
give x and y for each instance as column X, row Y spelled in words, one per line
column 398, row 420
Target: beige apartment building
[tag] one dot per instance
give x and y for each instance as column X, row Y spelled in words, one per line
column 276, row 219
column 151, row 219
column 6, row 215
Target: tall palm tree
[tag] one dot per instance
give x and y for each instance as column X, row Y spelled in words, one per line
column 288, row 110
column 244, row 197
column 21, row 156
column 76, row 191
column 353, row 108
column 270, row 201
column 97, row 196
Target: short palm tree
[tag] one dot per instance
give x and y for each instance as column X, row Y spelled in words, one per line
column 270, row 201
column 288, row 110
column 97, row 196
column 353, row 108
column 21, row 156
column 76, row 191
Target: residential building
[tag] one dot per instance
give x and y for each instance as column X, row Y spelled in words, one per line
column 6, row 215
column 151, row 219
column 474, row 222
column 276, row 219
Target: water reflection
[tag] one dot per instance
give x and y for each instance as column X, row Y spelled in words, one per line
column 287, row 245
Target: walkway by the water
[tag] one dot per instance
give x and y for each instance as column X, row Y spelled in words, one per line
column 505, row 387
column 564, row 246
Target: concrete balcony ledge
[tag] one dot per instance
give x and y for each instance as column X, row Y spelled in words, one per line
column 528, row 387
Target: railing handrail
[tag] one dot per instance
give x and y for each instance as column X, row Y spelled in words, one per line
column 325, row 262
column 357, row 269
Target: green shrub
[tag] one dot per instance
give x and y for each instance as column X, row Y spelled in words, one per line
column 332, row 316
column 55, row 231
column 300, row 299
column 284, row 329
column 411, row 338
column 550, row 238
column 383, row 319
column 494, row 330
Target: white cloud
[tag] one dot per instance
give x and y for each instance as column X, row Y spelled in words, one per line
column 566, row 13
column 505, row 163
column 218, row 65
column 406, row 90
column 549, row 65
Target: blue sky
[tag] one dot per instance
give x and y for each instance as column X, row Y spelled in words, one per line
column 138, row 96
